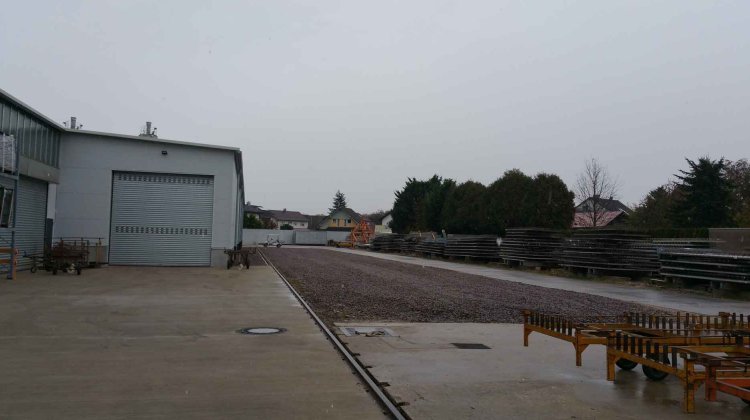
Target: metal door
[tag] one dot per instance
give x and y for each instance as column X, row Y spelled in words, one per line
column 161, row 219
column 30, row 220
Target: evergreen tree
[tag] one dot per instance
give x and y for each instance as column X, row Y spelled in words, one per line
column 738, row 173
column 654, row 212
column 434, row 200
column 465, row 210
column 339, row 202
column 551, row 204
column 510, row 201
column 251, row 222
column 705, row 195
column 408, row 206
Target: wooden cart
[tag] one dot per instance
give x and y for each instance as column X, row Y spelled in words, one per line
column 239, row 256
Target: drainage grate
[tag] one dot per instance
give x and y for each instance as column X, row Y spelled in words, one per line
column 471, row 346
column 261, row 330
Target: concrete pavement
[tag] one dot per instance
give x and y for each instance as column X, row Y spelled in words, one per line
column 665, row 298
column 439, row 381
column 160, row 343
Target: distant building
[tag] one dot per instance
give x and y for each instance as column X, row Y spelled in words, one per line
column 283, row 217
column 313, row 221
column 344, row 219
column 384, row 224
column 257, row 212
column 610, row 212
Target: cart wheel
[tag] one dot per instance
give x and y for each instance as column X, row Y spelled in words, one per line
column 653, row 374
column 278, row 245
column 265, row 245
column 626, row 364
column 33, row 269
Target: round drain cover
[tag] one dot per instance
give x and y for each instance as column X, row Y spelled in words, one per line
column 261, row 330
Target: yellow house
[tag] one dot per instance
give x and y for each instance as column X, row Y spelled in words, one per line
column 344, row 219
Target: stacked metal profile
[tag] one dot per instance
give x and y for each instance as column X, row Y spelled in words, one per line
column 472, row 246
column 609, row 250
column 705, row 265
column 432, row 246
column 683, row 243
column 532, row 246
column 389, row 242
column 409, row 243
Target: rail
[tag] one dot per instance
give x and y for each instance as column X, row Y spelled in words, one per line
column 385, row 401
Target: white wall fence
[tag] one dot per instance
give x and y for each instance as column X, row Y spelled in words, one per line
column 251, row 237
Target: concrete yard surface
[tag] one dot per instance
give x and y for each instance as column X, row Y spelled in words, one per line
column 437, row 380
column 160, row 343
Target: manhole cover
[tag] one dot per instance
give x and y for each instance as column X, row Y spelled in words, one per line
column 261, row 330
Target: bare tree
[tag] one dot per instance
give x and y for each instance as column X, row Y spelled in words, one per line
column 593, row 187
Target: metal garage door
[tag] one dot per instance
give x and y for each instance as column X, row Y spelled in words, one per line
column 30, row 218
column 161, row 219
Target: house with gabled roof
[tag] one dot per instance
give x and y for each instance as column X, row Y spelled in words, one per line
column 600, row 212
column 283, row 217
column 344, row 219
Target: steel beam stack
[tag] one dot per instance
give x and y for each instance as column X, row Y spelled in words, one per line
column 610, row 251
column 532, row 246
column 481, row 247
column 683, row 243
column 707, row 265
column 409, row 243
column 435, row 247
column 389, row 243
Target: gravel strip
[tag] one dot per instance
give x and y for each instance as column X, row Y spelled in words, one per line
column 345, row 287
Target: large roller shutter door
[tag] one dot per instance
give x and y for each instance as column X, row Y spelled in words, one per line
column 161, row 219
column 30, row 218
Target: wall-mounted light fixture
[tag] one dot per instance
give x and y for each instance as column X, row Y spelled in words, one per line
column 164, row 152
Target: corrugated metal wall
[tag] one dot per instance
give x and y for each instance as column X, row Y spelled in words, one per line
column 313, row 237
column 252, row 237
column 30, row 218
column 36, row 139
column 161, row 219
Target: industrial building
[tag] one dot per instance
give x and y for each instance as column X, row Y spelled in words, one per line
column 150, row 201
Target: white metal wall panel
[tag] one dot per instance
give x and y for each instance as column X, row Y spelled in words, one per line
column 30, row 218
column 313, row 237
column 161, row 219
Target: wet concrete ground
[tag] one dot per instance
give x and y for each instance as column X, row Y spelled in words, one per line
column 509, row 381
column 665, row 298
column 160, row 343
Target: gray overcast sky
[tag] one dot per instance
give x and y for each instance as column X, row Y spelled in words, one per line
column 358, row 96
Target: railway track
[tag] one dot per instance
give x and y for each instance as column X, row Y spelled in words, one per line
column 391, row 408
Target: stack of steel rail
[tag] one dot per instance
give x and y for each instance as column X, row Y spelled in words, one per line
column 531, row 246
column 683, row 243
column 705, row 265
column 483, row 247
column 432, row 247
column 610, row 251
column 409, row 243
column 412, row 240
column 389, row 242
